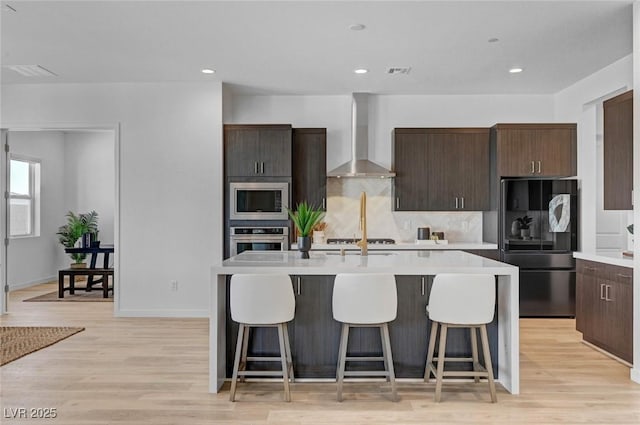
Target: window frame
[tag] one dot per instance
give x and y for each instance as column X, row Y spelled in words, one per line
column 33, row 197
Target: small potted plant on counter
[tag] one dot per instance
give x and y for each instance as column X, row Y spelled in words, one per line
column 305, row 217
column 79, row 226
column 525, row 232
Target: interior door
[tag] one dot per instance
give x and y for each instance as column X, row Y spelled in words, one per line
column 4, row 223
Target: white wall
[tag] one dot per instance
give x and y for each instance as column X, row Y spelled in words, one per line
column 170, row 181
column 34, row 260
column 581, row 103
column 90, row 177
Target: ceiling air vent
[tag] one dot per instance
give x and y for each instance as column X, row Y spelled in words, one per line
column 396, row 70
column 31, row 70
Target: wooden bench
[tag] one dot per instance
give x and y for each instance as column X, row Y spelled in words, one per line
column 89, row 272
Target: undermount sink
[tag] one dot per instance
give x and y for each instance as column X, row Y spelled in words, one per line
column 358, row 253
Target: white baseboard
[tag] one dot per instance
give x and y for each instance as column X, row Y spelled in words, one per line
column 16, row 286
column 182, row 314
column 635, row 375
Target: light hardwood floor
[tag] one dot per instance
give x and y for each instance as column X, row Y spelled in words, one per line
column 154, row 371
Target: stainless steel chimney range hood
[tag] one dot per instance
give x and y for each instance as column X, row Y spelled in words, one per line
column 360, row 166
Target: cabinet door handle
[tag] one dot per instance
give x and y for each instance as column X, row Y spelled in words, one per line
column 462, row 205
column 262, row 168
column 602, row 290
column 606, row 293
column 533, row 167
column 324, row 206
column 298, row 286
column 422, row 285
column 456, row 202
column 255, row 167
column 397, row 202
column 539, row 166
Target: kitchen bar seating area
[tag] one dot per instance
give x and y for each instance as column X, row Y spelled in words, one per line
column 315, row 335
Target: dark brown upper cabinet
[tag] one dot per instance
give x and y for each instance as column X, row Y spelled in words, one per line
column 309, row 155
column 441, row 169
column 536, row 150
column 257, row 150
column 618, row 152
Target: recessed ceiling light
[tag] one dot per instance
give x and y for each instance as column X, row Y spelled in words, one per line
column 515, row 70
column 493, row 40
column 208, row 71
column 361, row 71
column 356, row 27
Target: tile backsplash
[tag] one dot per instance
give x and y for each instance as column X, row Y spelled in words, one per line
column 343, row 206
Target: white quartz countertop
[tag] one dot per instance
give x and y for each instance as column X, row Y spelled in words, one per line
column 330, row 263
column 607, row 257
column 404, row 246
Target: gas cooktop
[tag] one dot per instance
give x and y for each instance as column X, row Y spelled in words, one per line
column 339, row 241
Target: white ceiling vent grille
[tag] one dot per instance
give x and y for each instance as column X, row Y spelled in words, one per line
column 31, row 70
column 397, row 70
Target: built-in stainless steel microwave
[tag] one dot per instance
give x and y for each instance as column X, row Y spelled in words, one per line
column 258, row 200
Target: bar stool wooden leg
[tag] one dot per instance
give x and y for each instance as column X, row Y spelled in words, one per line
column 344, row 339
column 441, row 353
column 487, row 362
column 287, row 346
column 474, row 352
column 283, row 361
column 236, row 363
column 245, row 349
column 384, row 353
column 432, row 346
column 388, row 359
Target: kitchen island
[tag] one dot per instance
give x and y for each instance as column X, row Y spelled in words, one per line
column 313, row 329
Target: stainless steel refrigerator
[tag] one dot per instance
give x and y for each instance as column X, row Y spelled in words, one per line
column 538, row 232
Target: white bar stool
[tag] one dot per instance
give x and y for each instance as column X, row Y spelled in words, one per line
column 262, row 300
column 461, row 301
column 365, row 300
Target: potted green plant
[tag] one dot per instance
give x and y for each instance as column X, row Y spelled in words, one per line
column 524, row 223
column 78, row 225
column 305, row 217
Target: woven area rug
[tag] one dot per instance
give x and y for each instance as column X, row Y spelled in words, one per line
column 80, row 295
column 18, row 341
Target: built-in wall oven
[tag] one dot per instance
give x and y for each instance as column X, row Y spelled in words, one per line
column 258, row 239
column 258, row 200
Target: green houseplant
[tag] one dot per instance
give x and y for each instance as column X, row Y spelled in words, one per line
column 77, row 226
column 305, row 218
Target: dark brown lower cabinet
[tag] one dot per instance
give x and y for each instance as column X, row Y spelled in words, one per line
column 604, row 307
column 315, row 335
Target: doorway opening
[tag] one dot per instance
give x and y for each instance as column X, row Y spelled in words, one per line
column 47, row 173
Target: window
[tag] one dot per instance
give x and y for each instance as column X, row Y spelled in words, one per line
column 24, row 191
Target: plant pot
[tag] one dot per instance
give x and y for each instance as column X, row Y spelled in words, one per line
column 78, row 265
column 304, row 245
column 525, row 233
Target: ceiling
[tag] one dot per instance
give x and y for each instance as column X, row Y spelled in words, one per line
column 306, row 47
